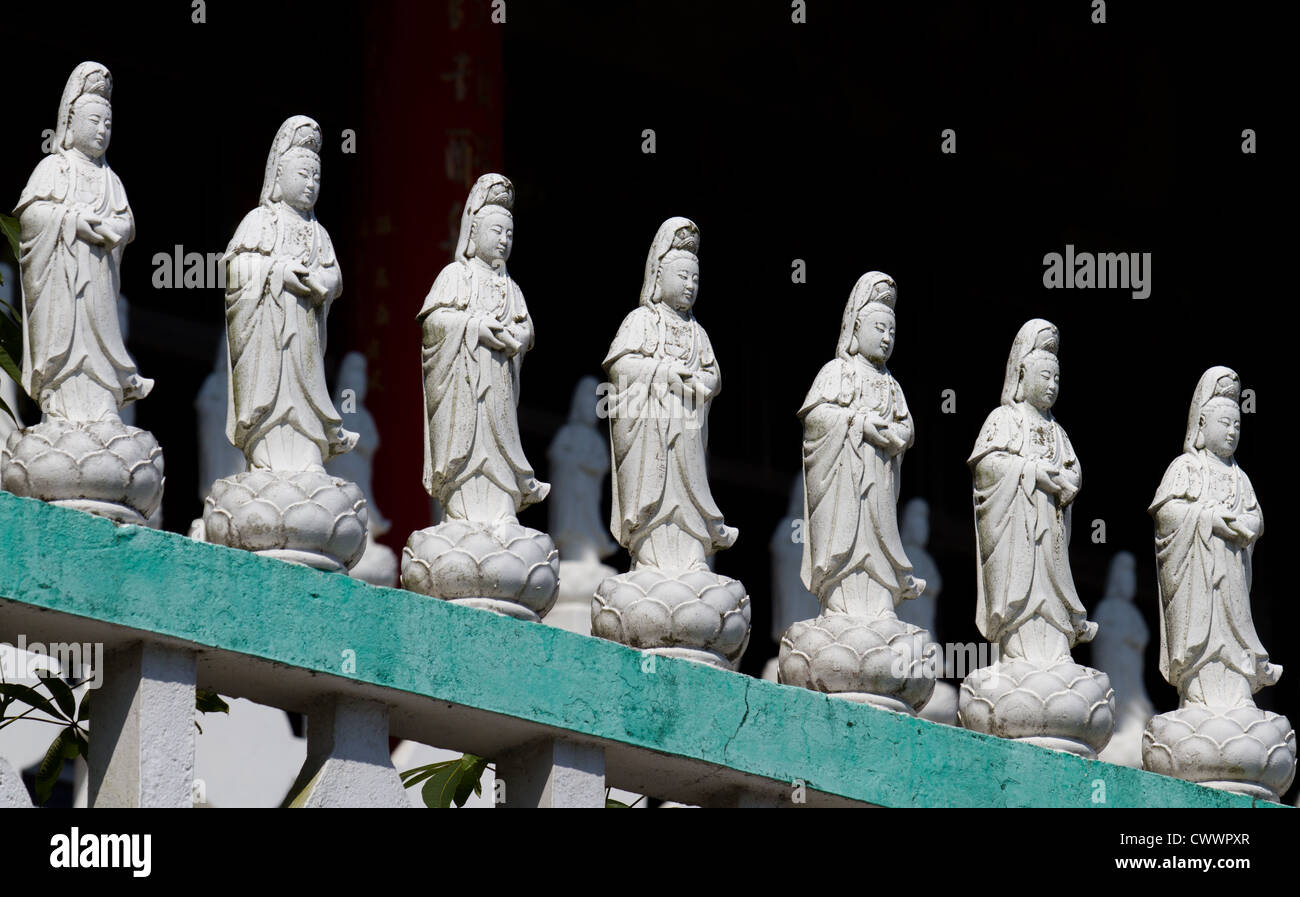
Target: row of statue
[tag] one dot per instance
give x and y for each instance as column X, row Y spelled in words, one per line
column 282, row 277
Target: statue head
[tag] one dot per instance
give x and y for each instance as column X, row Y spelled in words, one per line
column 487, row 222
column 292, row 174
column 298, row 180
column 867, row 328
column 916, row 523
column 1121, row 579
column 582, row 410
column 492, row 234
column 672, row 269
column 1214, row 420
column 1033, row 370
column 85, row 111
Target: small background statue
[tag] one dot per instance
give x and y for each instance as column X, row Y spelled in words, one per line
column 664, row 375
column 579, row 459
column 1026, row 479
column 281, row 277
column 922, row 610
column 1118, row 650
column 1207, row 522
column 75, row 223
column 476, row 330
column 791, row 600
column 856, row 427
column 379, row 563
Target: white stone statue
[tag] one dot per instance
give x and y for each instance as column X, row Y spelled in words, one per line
column 856, row 427
column 791, row 600
column 922, row 610
column 580, row 461
column 664, row 375
column 1207, row 521
column 75, row 223
column 281, row 277
column 476, row 330
column 1118, row 651
column 1026, row 479
column 379, row 563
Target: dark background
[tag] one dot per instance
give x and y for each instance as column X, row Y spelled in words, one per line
column 818, row 142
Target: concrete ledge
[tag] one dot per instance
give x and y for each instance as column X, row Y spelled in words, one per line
column 469, row 680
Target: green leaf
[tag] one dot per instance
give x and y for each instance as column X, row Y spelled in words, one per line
column 415, row 776
column 611, row 804
column 63, row 747
column 209, row 702
column 9, row 225
column 470, row 772
column 83, row 712
column 441, row 787
column 11, row 346
column 62, row 694
column 29, row 696
column 81, row 743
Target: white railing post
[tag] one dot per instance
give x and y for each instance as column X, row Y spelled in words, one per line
column 552, row 773
column 348, row 763
column 12, row 791
column 142, row 729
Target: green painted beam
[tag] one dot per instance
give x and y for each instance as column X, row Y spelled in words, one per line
column 214, row 597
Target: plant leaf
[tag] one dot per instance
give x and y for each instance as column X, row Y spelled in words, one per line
column 62, row 694
column 470, row 772
column 29, row 696
column 52, row 764
column 441, row 787
column 9, row 225
column 83, row 712
column 209, row 702
column 415, row 776
column 611, row 804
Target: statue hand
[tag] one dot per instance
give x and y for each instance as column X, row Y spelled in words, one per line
column 875, row 432
column 1045, row 479
column 490, row 333
column 293, row 278
column 87, row 229
column 1223, row 528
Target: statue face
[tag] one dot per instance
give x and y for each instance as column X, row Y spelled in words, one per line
column 1042, row 381
column 494, row 235
column 91, row 126
column 1221, row 427
column 875, row 334
column 300, row 180
column 679, row 280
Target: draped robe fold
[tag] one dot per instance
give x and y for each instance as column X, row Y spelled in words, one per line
column 471, row 391
column 658, row 443
column 70, row 287
column 1023, row 532
column 851, row 486
column 277, row 338
column 1204, row 580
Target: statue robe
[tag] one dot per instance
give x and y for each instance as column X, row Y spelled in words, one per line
column 277, row 338
column 851, row 486
column 657, row 442
column 70, row 287
column 471, row 391
column 1205, row 580
column 1023, row 533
